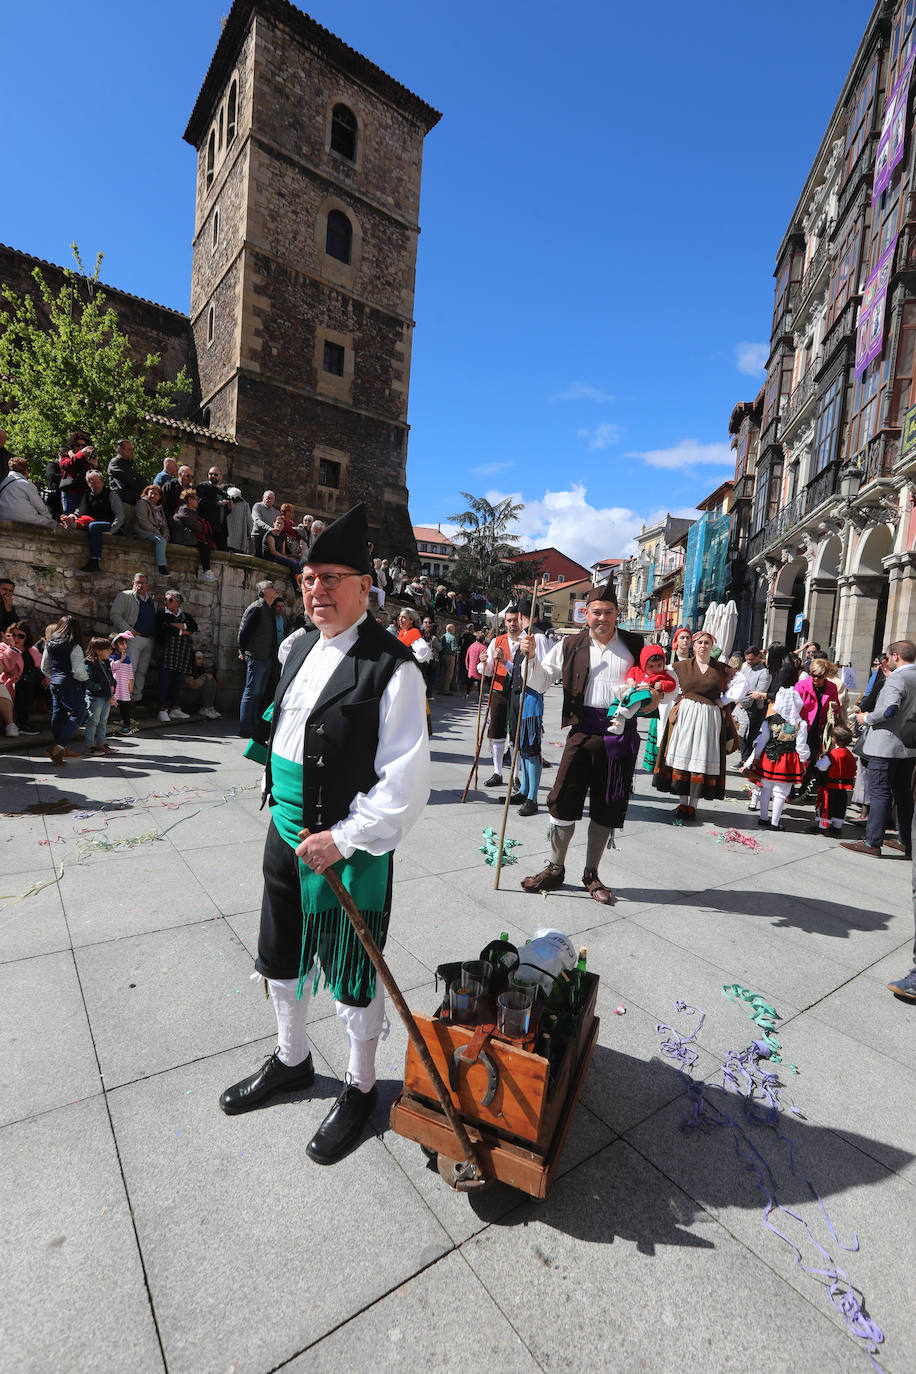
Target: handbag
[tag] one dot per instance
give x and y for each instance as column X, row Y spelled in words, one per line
column 857, row 746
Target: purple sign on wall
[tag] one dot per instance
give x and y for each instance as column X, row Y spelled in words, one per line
column 893, row 130
column 870, row 326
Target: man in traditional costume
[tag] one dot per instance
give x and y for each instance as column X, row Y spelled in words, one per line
column 528, row 765
column 498, row 671
column 346, row 776
column 592, row 666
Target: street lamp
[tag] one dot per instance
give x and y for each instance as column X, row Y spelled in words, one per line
column 850, row 481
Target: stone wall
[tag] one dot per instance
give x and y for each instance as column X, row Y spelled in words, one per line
column 46, row 570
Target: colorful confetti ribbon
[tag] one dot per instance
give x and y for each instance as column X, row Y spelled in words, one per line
column 760, row 1089
column 490, row 848
column 739, row 837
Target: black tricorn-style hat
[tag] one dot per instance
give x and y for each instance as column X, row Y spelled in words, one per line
column 522, row 604
column 345, row 541
column 606, row 592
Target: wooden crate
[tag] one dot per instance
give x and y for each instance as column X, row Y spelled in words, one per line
column 521, row 1108
column 531, row 1170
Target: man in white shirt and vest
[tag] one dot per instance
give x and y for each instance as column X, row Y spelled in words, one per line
column 592, row 666
column 498, row 672
column 347, row 760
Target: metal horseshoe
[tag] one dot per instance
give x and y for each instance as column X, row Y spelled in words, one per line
column 482, row 1058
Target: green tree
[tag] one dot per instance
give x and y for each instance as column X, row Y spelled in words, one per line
column 65, row 365
column 484, row 542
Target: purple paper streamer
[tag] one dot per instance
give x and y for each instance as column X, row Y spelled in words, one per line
column 759, row 1088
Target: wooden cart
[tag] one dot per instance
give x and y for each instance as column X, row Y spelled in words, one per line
column 517, row 1118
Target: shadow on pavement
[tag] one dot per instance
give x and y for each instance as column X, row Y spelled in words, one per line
column 810, row 914
column 597, row 1201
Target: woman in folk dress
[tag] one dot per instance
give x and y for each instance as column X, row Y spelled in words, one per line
column 691, row 756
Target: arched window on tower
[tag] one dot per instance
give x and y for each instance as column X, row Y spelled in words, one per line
column 343, row 132
column 231, row 106
column 210, row 324
column 219, row 141
column 339, row 238
column 211, row 156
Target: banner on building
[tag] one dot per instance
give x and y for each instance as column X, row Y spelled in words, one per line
column 579, row 609
column 908, row 437
column 693, row 565
column 893, row 130
column 870, row 326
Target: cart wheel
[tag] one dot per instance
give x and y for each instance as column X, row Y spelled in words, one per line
column 430, row 1154
column 461, row 1185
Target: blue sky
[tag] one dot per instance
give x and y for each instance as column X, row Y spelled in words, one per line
column 602, row 204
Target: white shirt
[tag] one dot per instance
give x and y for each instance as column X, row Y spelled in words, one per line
column 20, row 501
column 511, row 646
column 607, row 668
column 380, row 818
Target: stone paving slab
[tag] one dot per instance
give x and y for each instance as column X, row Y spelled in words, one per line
column 861, row 1196
column 886, row 1025
column 49, row 1058
column 36, row 925
column 158, row 1000
column 112, row 896
column 647, row 1245
column 252, row 1252
column 73, row 1295
column 429, row 1323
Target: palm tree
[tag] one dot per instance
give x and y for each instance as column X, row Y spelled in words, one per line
column 484, row 542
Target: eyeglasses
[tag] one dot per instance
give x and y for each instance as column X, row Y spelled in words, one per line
column 15, row 636
column 328, row 580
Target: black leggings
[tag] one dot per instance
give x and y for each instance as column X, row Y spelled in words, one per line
column 124, row 708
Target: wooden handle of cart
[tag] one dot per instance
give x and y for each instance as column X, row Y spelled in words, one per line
column 469, row 1154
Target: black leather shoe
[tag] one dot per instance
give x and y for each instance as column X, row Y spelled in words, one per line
column 530, row 808
column 515, row 799
column 496, row 780
column 271, row 1078
column 342, row 1126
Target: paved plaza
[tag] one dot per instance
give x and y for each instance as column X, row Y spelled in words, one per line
column 143, row 1230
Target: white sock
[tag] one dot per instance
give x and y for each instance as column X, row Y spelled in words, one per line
column 361, row 1067
column 766, row 792
column 780, row 797
column 292, row 1041
column 499, row 753
column 364, row 1028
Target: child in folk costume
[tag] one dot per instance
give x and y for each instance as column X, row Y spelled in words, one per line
column 836, row 772
column 777, row 762
column 651, row 672
column 122, row 670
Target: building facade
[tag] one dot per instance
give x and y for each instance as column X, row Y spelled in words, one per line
column 650, row 583
column 823, row 528
column 437, row 553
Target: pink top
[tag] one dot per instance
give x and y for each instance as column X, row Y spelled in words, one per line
column 10, row 667
column 122, row 672
column 475, row 653
column 809, row 703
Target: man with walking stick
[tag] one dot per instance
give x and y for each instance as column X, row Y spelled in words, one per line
column 347, row 760
column 592, row 666
column 525, row 699
column 498, row 669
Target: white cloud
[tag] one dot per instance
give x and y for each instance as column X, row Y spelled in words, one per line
column 687, row 453
column 751, row 358
column 582, row 391
column 566, row 520
column 492, row 469
column 604, row 436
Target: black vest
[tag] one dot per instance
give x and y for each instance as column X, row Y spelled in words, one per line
column 341, row 734
column 99, row 506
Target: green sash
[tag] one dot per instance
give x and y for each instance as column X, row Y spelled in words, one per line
column 365, row 877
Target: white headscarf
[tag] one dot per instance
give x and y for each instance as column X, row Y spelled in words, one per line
column 788, row 705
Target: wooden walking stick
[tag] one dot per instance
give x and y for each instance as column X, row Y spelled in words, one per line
column 486, row 715
column 518, row 735
column 468, row 1171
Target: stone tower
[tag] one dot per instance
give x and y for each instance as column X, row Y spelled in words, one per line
column 305, row 239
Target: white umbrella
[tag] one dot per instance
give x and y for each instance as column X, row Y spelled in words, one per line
column 709, row 620
column 727, row 627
